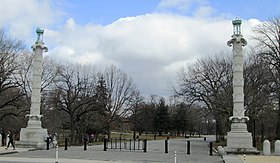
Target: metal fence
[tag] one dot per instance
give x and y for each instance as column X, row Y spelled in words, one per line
column 126, row 144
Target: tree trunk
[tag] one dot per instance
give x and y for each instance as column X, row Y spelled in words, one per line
column 72, row 130
column 262, row 132
column 134, row 134
column 108, row 132
column 219, row 130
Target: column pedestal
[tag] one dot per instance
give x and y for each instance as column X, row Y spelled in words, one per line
column 33, row 136
column 239, row 140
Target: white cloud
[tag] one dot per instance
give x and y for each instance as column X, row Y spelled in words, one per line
column 70, row 24
column 22, row 17
column 150, row 48
column 254, row 22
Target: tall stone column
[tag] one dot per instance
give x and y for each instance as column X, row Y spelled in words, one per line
column 34, row 135
column 238, row 139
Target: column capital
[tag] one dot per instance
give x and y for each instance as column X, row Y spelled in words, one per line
column 34, row 117
column 239, row 118
column 237, row 39
column 39, row 45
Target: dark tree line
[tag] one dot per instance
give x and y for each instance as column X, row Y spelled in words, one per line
column 176, row 119
column 11, row 92
column 268, row 38
column 208, row 83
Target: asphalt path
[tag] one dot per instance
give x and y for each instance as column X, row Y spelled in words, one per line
column 199, row 153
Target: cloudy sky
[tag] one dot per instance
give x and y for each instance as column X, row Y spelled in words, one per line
column 147, row 39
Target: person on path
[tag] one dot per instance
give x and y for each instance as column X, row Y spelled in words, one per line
column 11, row 140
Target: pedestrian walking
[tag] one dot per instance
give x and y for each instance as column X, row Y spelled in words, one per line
column 11, row 140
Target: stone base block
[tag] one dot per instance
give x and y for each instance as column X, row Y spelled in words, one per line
column 33, row 138
column 240, row 142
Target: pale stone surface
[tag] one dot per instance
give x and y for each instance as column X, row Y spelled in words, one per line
column 0, row 139
column 261, row 159
column 277, row 147
column 33, row 138
column 238, row 139
column 221, row 151
column 34, row 135
column 266, row 148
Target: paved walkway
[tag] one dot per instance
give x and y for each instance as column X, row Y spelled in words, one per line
column 199, row 153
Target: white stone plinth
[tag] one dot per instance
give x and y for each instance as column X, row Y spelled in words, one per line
column 238, row 140
column 221, row 151
column 277, row 147
column 33, row 138
column 266, row 148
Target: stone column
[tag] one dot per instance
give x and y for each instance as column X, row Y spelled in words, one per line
column 238, row 139
column 34, row 135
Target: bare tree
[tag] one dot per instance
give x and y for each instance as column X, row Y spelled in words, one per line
column 143, row 117
column 11, row 94
column 136, row 104
column 267, row 35
column 24, row 76
column 257, row 91
column 74, row 95
column 121, row 90
column 208, row 83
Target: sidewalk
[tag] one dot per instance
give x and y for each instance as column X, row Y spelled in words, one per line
column 10, row 150
column 48, row 160
column 199, row 153
column 251, row 159
column 260, row 159
column 232, row 159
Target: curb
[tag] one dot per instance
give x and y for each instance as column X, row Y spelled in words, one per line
column 8, row 152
